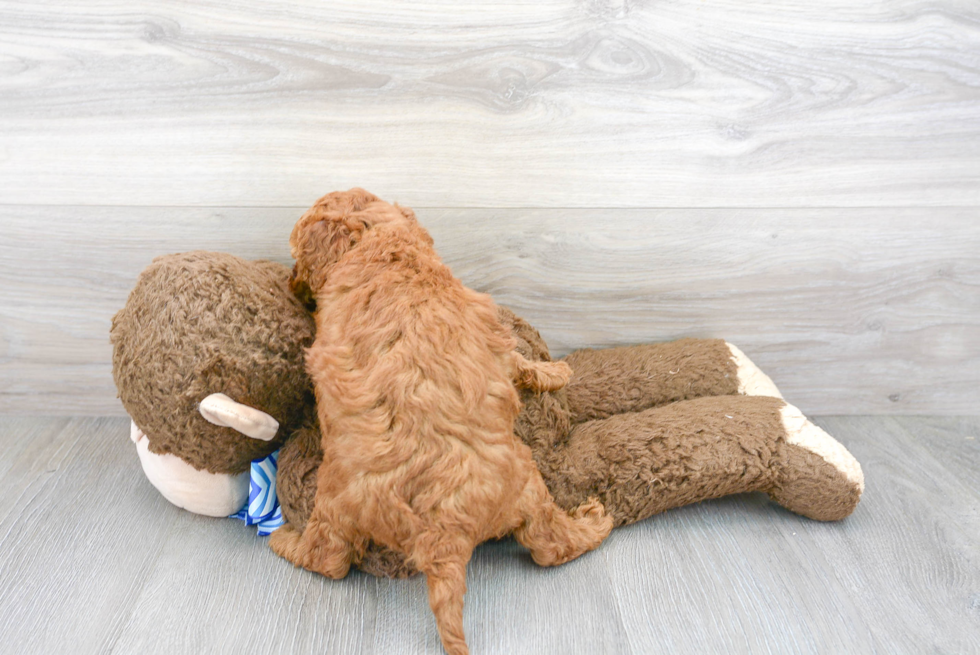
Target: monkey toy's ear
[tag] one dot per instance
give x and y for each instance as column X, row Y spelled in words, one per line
column 219, row 409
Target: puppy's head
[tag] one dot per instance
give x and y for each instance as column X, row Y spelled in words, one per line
column 333, row 226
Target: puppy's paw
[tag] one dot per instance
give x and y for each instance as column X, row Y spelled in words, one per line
column 284, row 542
column 543, row 376
column 590, row 509
column 592, row 514
column 559, row 373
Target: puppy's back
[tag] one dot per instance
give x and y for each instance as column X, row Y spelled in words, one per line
column 410, row 347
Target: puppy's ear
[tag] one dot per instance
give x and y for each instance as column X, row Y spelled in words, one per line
column 318, row 243
column 414, row 222
column 301, row 289
column 407, row 213
column 336, row 237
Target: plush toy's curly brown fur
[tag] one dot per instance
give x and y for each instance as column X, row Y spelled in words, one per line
column 173, row 346
column 414, row 380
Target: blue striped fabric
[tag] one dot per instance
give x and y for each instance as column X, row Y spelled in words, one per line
column 262, row 508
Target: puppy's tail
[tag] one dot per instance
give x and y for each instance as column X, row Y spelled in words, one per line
column 445, row 572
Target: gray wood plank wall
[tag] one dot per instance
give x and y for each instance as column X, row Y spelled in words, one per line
column 800, row 178
column 549, row 103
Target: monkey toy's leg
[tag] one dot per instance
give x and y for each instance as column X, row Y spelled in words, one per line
column 633, row 378
column 639, row 464
column 659, row 426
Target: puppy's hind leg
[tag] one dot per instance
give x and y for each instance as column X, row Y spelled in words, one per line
column 444, row 565
column 554, row 536
column 322, row 547
column 540, row 376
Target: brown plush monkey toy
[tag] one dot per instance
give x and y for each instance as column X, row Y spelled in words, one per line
column 208, row 360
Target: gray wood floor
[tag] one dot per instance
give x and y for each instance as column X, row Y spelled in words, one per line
column 93, row 560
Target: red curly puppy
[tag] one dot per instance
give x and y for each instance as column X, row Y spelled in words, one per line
column 414, row 379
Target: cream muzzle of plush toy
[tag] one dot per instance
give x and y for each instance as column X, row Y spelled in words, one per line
column 203, row 492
